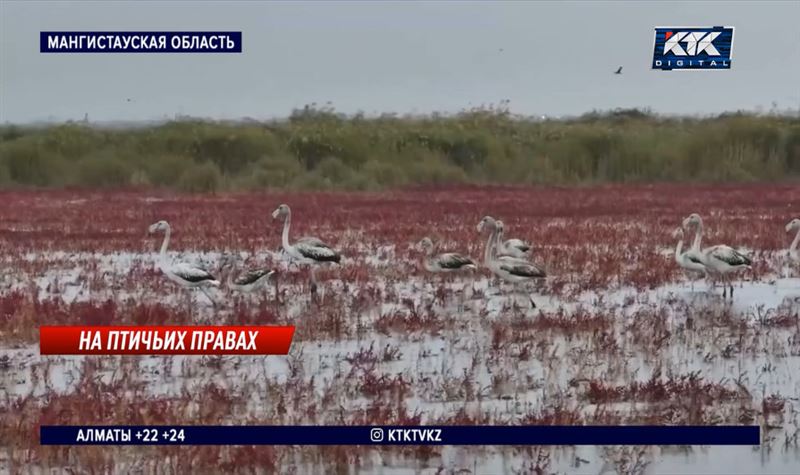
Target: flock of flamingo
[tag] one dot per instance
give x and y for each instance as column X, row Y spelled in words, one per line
column 507, row 259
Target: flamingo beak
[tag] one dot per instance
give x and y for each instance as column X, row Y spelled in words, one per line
column 276, row 213
column 153, row 228
column 789, row 227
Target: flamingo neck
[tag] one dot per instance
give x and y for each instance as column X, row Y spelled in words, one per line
column 698, row 236
column 488, row 249
column 163, row 253
column 427, row 263
column 678, row 249
column 489, row 252
column 497, row 245
column 285, row 237
column 793, row 247
column 227, row 271
column 427, row 259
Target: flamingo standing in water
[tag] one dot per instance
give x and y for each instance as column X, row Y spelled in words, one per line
column 251, row 279
column 444, row 263
column 687, row 260
column 512, row 247
column 720, row 259
column 306, row 250
column 188, row 276
column 510, row 269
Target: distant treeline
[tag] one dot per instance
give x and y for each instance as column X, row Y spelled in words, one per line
column 317, row 148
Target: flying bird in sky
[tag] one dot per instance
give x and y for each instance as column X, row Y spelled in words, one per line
column 618, row 71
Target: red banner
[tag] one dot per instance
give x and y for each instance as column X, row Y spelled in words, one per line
column 165, row 340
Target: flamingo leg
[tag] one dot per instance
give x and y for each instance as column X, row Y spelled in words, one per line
column 213, row 302
column 725, row 286
column 262, row 297
column 277, row 291
column 313, row 283
column 434, row 289
column 528, row 293
column 189, row 295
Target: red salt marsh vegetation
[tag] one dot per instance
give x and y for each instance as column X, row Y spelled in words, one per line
column 619, row 336
column 622, row 219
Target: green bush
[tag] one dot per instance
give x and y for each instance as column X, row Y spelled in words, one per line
column 28, row 163
column 434, row 169
column 102, row 170
column 272, row 172
column 332, row 173
column 205, row 178
column 318, row 148
column 5, row 175
column 167, row 169
column 384, row 174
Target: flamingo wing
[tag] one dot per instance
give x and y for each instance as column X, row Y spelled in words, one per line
column 252, row 276
column 521, row 268
column 518, row 244
column 312, row 241
column 191, row 273
column 694, row 259
column 319, row 252
column 729, row 255
column 453, row 261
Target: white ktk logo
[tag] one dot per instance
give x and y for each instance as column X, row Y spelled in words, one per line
column 696, row 43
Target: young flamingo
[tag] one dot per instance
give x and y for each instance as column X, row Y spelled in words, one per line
column 512, row 247
column 306, row 250
column 188, row 276
column 685, row 259
column 720, row 259
column 510, row 269
column 444, row 263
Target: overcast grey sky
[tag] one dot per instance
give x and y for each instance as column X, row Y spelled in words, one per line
column 557, row 58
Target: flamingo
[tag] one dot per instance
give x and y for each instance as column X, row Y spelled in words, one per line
column 446, row 262
column 510, row 269
column 250, row 280
column 186, row 275
column 720, row 259
column 511, row 247
column 793, row 253
column 687, row 260
column 306, row 250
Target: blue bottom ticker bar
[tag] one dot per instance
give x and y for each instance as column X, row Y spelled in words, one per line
column 407, row 435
